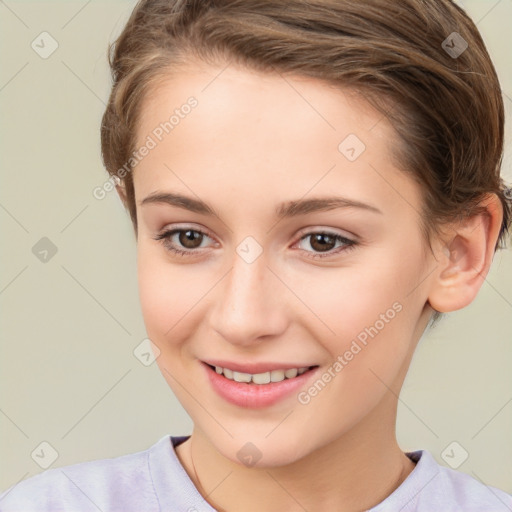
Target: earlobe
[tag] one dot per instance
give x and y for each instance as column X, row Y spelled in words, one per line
column 465, row 257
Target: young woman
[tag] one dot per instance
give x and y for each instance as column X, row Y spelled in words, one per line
column 311, row 184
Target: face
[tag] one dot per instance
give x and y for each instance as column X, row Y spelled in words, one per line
column 269, row 276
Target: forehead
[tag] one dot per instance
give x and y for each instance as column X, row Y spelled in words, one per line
column 239, row 96
column 249, row 130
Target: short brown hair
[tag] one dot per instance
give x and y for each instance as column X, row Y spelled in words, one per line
column 446, row 108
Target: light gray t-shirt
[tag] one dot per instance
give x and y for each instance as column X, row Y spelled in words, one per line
column 154, row 480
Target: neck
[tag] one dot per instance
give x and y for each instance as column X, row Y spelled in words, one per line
column 354, row 472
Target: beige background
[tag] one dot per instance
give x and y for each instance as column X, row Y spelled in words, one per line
column 70, row 325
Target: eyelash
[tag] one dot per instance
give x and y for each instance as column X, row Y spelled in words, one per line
column 165, row 236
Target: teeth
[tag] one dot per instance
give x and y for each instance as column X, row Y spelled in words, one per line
column 242, row 377
column 261, row 378
column 276, row 375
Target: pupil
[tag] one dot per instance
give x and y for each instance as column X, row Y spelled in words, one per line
column 321, row 240
column 189, row 237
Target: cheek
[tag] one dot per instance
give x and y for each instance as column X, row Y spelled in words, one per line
column 344, row 301
column 364, row 314
column 375, row 323
column 175, row 299
column 166, row 291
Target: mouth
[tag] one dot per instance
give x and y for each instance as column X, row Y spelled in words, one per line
column 258, row 390
column 261, row 378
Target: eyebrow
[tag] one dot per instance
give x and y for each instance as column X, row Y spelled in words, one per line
column 283, row 210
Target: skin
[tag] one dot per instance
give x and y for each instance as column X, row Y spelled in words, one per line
column 256, row 140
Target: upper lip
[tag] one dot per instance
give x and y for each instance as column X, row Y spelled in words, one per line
column 254, row 368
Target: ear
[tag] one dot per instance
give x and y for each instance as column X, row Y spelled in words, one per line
column 466, row 255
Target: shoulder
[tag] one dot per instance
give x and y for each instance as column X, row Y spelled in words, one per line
column 470, row 494
column 121, row 483
column 431, row 486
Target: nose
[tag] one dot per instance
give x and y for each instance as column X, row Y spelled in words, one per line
column 250, row 305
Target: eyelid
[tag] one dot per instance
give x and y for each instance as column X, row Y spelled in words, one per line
column 164, row 235
column 349, row 241
column 184, row 227
column 310, row 230
column 302, row 233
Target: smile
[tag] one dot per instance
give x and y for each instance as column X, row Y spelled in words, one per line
column 258, row 390
column 260, row 378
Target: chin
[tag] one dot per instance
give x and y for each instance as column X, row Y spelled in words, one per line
column 263, row 452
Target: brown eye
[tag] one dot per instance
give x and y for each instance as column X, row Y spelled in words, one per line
column 184, row 242
column 190, row 239
column 322, row 241
column 324, row 244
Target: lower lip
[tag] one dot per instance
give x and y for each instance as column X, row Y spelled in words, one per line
column 252, row 395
